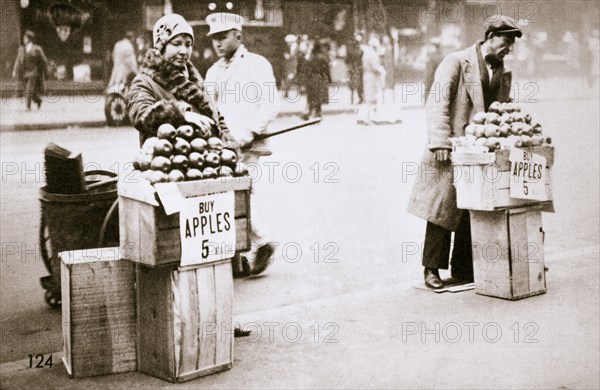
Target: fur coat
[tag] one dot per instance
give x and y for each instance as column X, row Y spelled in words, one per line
column 160, row 93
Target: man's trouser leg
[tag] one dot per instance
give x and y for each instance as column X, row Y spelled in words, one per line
column 29, row 90
column 436, row 249
column 462, row 254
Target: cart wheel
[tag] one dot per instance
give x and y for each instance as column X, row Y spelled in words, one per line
column 52, row 299
column 46, row 244
column 115, row 110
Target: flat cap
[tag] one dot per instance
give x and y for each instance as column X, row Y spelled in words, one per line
column 502, row 25
column 223, row 21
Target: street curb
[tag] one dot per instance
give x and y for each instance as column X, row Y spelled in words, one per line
column 88, row 124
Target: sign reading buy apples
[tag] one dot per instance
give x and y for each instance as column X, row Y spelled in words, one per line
column 503, row 127
column 185, row 153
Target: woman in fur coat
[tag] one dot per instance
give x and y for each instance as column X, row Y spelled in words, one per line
column 169, row 89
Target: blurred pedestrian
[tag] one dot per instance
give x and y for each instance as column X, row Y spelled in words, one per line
column 30, row 70
column 354, row 60
column 290, row 64
column 124, row 61
column 318, row 79
column 141, row 46
column 472, row 79
column 373, row 77
column 593, row 50
column 245, row 91
column 387, row 60
column 434, row 57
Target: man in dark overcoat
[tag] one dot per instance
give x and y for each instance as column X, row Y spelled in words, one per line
column 465, row 82
column 30, row 69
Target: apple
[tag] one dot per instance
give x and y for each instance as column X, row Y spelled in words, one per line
column 215, row 143
column 537, row 128
column 492, row 143
column 504, row 130
column 240, row 169
column 145, row 162
column 176, row 175
column 163, row 148
column 478, row 118
column 537, row 140
column 515, row 108
column 516, row 128
column 470, row 129
column 517, row 117
column 193, row 174
column 160, row 163
column 198, row 145
column 525, row 140
column 158, row 177
column 548, row 140
column 181, row 146
column 527, row 130
column 166, row 131
column 209, row 173
column 505, row 118
column 479, row 131
column 225, row 171
column 491, row 130
column 212, row 159
column 186, row 132
column 527, row 118
column 495, row 107
column 148, row 146
column 196, row 160
column 179, row 161
column 137, row 159
column 228, row 157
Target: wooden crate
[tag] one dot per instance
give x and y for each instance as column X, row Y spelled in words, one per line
column 98, row 312
column 486, row 186
column 185, row 320
column 149, row 236
column 508, row 252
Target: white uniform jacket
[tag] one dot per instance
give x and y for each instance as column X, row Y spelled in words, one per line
column 246, row 94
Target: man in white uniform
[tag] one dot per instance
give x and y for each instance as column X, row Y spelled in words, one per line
column 243, row 86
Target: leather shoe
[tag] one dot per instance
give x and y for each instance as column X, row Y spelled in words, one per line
column 432, row 278
column 263, row 258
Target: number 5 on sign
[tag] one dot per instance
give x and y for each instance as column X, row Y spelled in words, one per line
column 207, row 228
column 527, row 175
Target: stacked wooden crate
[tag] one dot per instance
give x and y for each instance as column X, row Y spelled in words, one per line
column 173, row 322
column 506, row 233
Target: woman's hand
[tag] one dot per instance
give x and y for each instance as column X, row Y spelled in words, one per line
column 202, row 121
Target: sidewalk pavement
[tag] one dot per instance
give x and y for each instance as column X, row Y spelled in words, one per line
column 396, row 336
column 88, row 111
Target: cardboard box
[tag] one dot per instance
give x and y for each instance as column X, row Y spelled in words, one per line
column 482, row 180
column 98, row 312
column 149, row 236
column 185, row 320
column 508, row 252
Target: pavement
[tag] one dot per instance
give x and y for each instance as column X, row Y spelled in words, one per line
column 361, row 323
column 88, row 110
column 472, row 341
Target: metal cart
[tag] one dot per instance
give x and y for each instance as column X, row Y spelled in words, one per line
column 76, row 221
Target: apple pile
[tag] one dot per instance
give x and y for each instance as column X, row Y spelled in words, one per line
column 182, row 154
column 503, row 127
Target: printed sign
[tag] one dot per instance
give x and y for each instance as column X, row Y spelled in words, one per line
column 527, row 175
column 207, row 228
